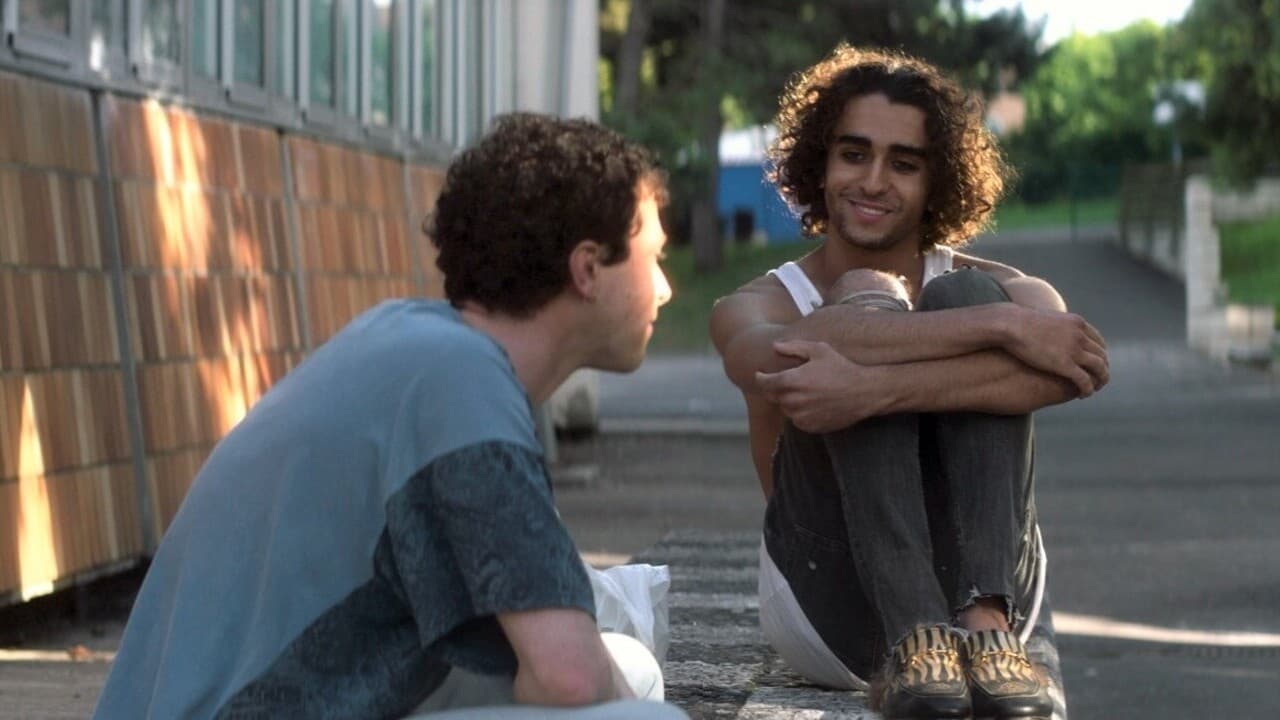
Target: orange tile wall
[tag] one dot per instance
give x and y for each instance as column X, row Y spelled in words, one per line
column 213, row 311
column 67, row 496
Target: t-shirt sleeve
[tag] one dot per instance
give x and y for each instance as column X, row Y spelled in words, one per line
column 473, row 534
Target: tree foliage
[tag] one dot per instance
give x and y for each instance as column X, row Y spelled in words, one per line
column 1234, row 45
column 1091, row 103
column 763, row 43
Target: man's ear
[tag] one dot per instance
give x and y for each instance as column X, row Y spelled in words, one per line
column 584, row 264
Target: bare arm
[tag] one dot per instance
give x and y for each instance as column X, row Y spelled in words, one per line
column 879, row 338
column 1035, row 328
column 744, row 327
column 562, row 661
column 764, row 422
column 828, row 391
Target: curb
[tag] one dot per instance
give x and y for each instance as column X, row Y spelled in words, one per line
column 674, row 425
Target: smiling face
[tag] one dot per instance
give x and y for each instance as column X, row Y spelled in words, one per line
column 631, row 293
column 877, row 177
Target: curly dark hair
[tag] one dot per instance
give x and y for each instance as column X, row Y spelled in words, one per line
column 515, row 204
column 967, row 171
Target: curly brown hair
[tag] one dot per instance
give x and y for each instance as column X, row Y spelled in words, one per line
column 967, row 171
column 515, row 205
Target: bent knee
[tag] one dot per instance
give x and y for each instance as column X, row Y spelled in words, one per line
column 961, row 287
column 869, row 281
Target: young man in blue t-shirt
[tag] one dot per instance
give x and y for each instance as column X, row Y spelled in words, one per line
column 377, row 537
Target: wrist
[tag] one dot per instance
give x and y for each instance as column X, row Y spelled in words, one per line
column 889, row 393
column 1004, row 324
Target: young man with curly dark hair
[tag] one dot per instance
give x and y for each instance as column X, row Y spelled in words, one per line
column 377, row 537
column 889, row 382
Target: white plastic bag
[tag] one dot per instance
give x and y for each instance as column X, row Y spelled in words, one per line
column 632, row 600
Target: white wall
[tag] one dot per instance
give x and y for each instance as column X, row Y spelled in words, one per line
column 556, row 51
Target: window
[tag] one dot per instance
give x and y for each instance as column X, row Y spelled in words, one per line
column 247, row 24
column 425, row 87
column 52, row 17
column 161, row 32
column 155, row 38
column 381, row 64
column 285, row 30
column 106, row 35
column 44, row 30
column 348, row 57
column 474, row 85
column 103, row 31
column 322, row 55
column 205, row 38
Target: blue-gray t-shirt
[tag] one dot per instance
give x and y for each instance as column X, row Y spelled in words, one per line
column 353, row 537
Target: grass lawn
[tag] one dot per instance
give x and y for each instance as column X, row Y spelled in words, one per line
column 682, row 323
column 1015, row 215
column 1251, row 261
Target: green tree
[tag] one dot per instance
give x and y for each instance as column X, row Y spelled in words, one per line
column 1091, row 102
column 1235, row 45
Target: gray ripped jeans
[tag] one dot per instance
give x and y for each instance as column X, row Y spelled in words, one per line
column 903, row 520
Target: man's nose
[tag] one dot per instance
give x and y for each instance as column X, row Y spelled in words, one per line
column 874, row 181
column 661, row 288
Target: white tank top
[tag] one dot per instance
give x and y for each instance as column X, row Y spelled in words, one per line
column 937, row 261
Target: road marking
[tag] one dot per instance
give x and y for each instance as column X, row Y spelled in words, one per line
column 1073, row 624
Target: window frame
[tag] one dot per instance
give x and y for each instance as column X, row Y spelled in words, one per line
column 166, row 74
column 421, row 127
column 383, row 134
column 115, row 58
column 325, row 117
column 66, row 52
column 250, row 97
column 120, row 65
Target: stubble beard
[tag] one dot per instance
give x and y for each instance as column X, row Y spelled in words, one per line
column 864, row 241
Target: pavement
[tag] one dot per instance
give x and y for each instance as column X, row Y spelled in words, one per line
column 1158, row 500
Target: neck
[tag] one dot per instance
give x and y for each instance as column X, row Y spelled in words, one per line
column 542, row 352
column 836, row 257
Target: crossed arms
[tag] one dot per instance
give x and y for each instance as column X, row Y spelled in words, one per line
column 842, row 364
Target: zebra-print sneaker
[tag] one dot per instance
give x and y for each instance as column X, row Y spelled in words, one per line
column 923, row 678
column 1002, row 680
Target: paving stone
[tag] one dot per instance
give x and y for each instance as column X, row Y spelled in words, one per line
column 714, row 617
column 681, row 574
column 806, row 703
column 698, row 634
column 697, row 672
column 741, row 653
column 728, row 601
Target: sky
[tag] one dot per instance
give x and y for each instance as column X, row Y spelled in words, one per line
column 1087, row 16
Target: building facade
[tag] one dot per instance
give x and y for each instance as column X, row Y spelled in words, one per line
column 196, row 193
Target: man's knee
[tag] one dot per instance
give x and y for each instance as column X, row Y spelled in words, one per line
column 871, row 288
column 961, row 288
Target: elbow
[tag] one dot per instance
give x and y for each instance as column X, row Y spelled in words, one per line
column 564, row 686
